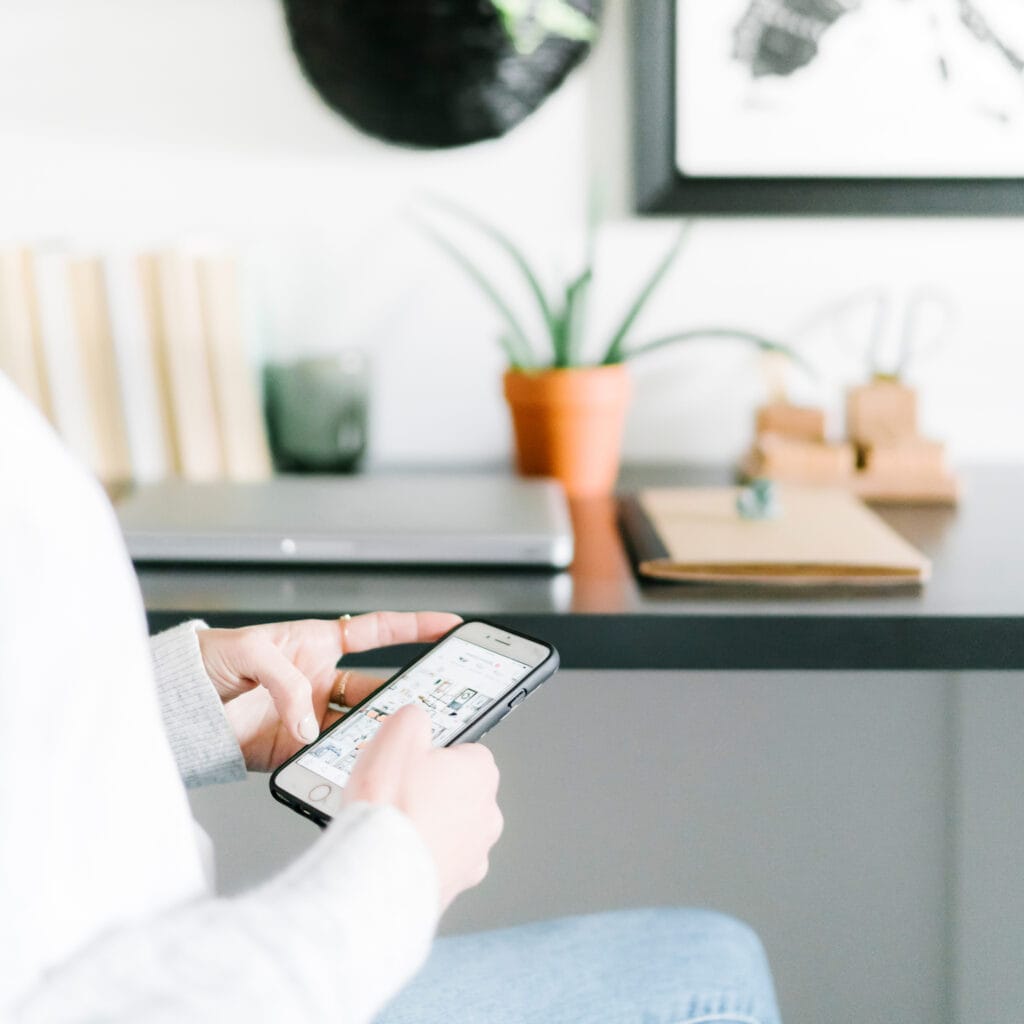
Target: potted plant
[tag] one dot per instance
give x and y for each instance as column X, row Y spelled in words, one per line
column 568, row 412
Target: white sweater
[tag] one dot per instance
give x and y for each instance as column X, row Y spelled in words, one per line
column 105, row 911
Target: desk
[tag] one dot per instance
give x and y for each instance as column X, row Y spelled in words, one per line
column 861, row 823
column 969, row 616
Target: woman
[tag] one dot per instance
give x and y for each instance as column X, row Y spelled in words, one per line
column 106, row 908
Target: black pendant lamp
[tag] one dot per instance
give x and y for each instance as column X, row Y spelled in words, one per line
column 439, row 73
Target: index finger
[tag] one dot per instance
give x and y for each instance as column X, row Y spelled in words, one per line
column 383, row 629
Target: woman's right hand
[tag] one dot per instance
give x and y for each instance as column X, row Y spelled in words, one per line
column 449, row 794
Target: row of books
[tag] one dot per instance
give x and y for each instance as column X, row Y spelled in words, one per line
column 138, row 360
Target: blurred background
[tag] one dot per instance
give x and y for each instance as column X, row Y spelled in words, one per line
column 861, row 823
column 157, row 123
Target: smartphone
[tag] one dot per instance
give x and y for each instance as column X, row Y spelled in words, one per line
column 468, row 681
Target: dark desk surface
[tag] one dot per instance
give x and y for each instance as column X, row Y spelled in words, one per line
column 969, row 616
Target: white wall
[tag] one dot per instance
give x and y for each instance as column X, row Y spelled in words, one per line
column 154, row 120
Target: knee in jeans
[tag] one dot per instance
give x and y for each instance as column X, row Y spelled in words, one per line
column 727, row 929
column 708, row 930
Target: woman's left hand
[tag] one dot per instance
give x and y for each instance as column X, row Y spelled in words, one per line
column 277, row 680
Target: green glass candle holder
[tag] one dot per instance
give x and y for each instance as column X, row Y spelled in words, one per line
column 316, row 412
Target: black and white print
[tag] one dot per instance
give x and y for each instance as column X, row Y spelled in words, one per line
column 850, row 88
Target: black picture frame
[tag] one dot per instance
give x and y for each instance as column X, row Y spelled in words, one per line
column 661, row 188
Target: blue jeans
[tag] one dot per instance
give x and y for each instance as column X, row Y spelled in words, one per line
column 628, row 967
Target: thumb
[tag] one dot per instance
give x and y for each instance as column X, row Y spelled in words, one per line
column 406, row 731
column 404, row 734
column 382, row 764
column 290, row 690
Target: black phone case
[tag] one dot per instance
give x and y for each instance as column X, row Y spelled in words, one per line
column 500, row 710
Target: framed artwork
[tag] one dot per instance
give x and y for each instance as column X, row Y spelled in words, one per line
column 829, row 106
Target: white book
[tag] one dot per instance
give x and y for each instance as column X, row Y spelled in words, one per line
column 62, row 353
column 101, row 382
column 239, row 412
column 185, row 358
column 146, row 415
column 21, row 356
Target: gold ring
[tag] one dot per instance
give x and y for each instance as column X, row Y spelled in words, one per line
column 338, row 691
column 344, row 620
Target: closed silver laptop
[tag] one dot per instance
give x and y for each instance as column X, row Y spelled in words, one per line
column 463, row 520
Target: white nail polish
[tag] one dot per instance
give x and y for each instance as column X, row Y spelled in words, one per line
column 308, row 729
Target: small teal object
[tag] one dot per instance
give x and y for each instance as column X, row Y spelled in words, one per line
column 759, row 500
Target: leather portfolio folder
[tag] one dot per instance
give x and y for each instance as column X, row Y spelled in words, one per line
column 819, row 536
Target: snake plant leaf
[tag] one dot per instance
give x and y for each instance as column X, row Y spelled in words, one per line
column 731, row 333
column 516, row 340
column 513, row 251
column 615, row 349
column 575, row 315
column 559, row 343
column 512, row 354
column 566, row 338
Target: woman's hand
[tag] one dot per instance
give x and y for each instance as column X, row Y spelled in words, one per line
column 277, row 680
column 449, row 794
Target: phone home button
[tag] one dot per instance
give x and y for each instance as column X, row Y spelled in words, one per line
column 517, row 699
column 320, row 792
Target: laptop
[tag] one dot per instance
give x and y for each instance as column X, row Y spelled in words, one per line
column 464, row 520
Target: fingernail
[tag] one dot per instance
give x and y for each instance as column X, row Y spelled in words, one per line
column 308, row 728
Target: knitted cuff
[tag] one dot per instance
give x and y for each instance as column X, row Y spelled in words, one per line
column 204, row 746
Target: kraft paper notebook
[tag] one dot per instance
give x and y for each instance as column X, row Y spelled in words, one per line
column 821, row 536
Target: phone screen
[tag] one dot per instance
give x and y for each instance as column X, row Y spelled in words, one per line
column 454, row 682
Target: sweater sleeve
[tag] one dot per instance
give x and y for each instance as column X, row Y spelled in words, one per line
column 201, row 739
column 332, row 938
column 104, row 911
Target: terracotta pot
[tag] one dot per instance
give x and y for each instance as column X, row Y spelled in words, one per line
column 568, row 424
